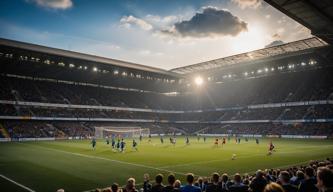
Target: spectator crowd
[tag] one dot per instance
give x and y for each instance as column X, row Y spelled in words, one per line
column 317, row 176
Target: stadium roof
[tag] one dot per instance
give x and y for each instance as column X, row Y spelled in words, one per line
column 82, row 56
column 285, row 49
column 316, row 15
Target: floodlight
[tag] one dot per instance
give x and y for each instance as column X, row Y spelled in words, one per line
column 198, row 81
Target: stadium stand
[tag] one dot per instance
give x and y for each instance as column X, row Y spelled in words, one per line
column 279, row 95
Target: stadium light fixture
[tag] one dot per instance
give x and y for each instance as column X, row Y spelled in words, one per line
column 291, row 66
column 312, row 62
column 95, row 69
column 116, row 72
column 266, row 69
column 199, row 81
column 62, row 64
column 303, row 63
column 246, row 73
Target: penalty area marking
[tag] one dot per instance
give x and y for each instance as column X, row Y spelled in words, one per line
column 16, row 183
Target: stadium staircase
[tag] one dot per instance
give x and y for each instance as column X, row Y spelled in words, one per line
column 57, row 132
column 43, row 99
column 202, row 130
column 237, row 116
column 309, row 112
column 222, row 117
column 3, row 131
column 99, row 104
column 86, row 127
column 20, row 110
column 280, row 117
column 180, row 130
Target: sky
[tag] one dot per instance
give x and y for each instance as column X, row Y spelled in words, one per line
column 157, row 33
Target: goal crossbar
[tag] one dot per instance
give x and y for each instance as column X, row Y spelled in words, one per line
column 126, row 131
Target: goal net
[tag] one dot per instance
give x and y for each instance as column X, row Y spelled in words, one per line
column 123, row 132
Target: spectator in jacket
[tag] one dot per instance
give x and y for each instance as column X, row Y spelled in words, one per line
column 259, row 182
column 158, row 187
column 309, row 183
column 238, row 186
column 284, row 179
column 325, row 179
column 214, row 185
column 190, row 187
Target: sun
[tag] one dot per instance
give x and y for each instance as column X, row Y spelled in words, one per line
column 249, row 40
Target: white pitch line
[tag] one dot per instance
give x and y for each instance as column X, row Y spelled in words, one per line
column 16, row 183
column 112, row 160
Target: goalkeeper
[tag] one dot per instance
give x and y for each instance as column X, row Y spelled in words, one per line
column 93, row 143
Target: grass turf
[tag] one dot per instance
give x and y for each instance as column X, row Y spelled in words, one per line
column 74, row 166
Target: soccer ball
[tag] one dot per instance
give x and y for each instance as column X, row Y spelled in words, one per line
column 233, row 157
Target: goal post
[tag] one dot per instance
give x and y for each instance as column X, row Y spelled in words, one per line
column 124, row 132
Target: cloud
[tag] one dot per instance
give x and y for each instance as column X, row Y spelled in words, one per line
column 276, row 36
column 128, row 21
column 210, row 22
column 53, row 4
column 159, row 22
column 274, row 43
column 247, row 3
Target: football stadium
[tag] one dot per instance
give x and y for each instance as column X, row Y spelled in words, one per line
column 216, row 111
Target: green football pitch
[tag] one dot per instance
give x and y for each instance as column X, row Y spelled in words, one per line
column 74, row 166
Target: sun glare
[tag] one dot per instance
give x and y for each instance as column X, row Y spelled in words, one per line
column 250, row 40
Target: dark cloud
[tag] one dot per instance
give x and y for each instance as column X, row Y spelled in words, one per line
column 274, row 43
column 210, row 22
